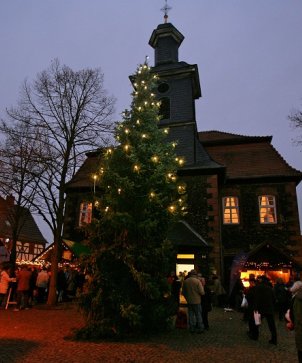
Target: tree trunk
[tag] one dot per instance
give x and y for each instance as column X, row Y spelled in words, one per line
column 52, row 293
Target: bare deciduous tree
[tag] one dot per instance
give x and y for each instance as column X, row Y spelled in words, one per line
column 17, row 158
column 72, row 112
column 296, row 120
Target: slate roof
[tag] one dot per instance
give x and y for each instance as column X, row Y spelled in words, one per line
column 247, row 156
column 84, row 176
column 30, row 231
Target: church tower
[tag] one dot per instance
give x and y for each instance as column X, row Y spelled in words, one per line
column 178, row 89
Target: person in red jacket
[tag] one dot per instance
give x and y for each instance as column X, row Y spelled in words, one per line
column 23, row 287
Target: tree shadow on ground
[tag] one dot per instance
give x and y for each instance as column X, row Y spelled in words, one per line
column 13, row 350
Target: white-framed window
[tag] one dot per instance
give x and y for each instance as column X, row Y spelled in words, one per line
column 230, row 210
column 267, row 209
column 85, row 213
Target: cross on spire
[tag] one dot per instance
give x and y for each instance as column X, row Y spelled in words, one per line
column 166, row 9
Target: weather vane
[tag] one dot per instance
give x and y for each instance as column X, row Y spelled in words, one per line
column 166, row 9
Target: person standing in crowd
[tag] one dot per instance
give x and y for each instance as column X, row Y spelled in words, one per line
column 265, row 305
column 236, row 294
column 175, row 285
column 206, row 303
column 219, row 293
column 33, row 288
column 282, row 298
column 61, row 285
column 193, row 291
column 4, row 283
column 296, row 315
column 253, row 332
column 23, row 286
column 42, row 284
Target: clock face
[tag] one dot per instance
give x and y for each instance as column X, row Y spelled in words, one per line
column 163, row 87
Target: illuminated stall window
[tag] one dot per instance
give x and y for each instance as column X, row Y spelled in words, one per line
column 230, row 210
column 85, row 213
column 267, row 209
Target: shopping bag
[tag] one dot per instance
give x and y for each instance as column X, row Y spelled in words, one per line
column 244, row 303
column 257, row 318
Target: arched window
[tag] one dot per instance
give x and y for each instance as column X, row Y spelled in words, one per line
column 164, row 109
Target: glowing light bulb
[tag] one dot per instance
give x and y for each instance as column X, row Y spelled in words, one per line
column 172, row 208
column 181, row 162
column 154, row 159
column 144, row 136
column 127, row 131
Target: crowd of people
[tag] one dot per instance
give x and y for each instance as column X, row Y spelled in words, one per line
column 262, row 301
column 29, row 285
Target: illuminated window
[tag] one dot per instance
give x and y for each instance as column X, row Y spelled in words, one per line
column 230, row 210
column 267, row 209
column 85, row 213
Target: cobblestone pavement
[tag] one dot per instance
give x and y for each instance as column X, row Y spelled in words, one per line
column 39, row 335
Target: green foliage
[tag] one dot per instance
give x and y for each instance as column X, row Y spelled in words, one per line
column 129, row 294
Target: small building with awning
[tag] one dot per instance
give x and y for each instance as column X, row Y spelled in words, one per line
column 270, row 260
column 72, row 252
column 191, row 249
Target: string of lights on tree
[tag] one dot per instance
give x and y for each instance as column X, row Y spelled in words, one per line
column 142, row 153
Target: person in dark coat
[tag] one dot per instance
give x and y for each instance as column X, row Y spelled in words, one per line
column 253, row 332
column 282, row 298
column 265, row 305
column 296, row 311
column 206, row 303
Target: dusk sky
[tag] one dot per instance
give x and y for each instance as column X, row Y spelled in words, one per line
column 248, row 52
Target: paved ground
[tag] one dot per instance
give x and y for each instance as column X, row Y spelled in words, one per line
column 39, row 335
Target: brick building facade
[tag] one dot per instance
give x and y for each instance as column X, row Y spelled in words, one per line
column 241, row 193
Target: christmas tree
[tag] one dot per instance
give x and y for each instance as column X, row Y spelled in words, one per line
column 139, row 201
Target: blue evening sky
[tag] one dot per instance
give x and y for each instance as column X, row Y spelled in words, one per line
column 248, row 52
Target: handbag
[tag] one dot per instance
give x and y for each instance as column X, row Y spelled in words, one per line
column 244, row 303
column 257, row 318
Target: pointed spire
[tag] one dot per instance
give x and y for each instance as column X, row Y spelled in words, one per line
column 166, row 9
